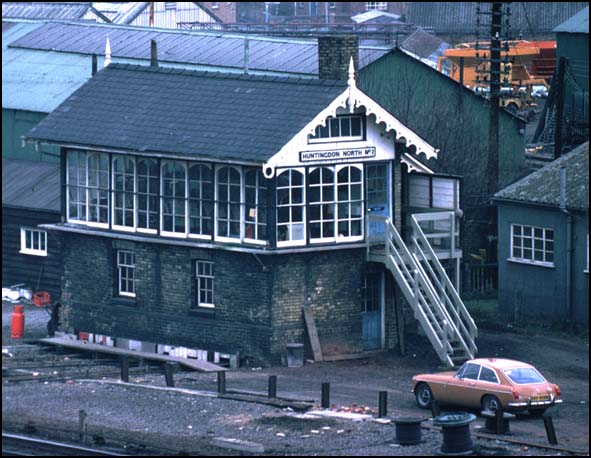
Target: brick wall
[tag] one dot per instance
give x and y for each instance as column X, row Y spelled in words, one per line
column 258, row 303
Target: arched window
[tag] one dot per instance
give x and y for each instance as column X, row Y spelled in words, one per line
column 200, row 200
column 255, row 200
column 291, row 209
column 229, row 184
column 147, row 195
column 123, row 192
column 174, row 193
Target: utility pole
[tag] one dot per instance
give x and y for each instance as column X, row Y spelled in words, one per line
column 495, row 94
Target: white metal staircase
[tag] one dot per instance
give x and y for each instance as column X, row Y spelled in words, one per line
column 426, row 286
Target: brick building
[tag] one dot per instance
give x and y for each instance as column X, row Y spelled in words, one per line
column 205, row 210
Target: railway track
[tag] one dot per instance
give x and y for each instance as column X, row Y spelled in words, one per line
column 15, row 445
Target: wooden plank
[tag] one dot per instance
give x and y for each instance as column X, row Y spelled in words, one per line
column 82, row 345
column 313, row 333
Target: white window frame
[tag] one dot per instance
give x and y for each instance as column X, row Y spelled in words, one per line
column 205, row 277
column 28, row 234
column 321, row 203
column 163, row 232
column 147, row 194
column 221, row 238
column 338, row 138
column 350, row 219
column 84, row 189
column 496, row 382
column 533, row 239
column 128, row 268
column 114, row 191
column 290, row 205
column 201, row 201
column 380, row 6
column 259, row 188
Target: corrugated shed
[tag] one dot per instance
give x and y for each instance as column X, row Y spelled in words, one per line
column 40, row 10
column 543, row 186
column 294, row 56
column 31, row 184
column 460, row 17
column 579, row 23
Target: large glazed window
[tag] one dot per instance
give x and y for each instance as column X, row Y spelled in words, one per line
column 200, row 201
column 147, row 195
column 291, row 210
column 174, row 183
column 229, row 184
column 88, row 188
column 123, row 192
column 349, row 202
column 255, row 211
column 322, row 204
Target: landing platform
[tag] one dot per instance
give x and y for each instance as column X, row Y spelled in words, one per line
column 83, row 345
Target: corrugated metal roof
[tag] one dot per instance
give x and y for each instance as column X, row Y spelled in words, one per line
column 543, row 186
column 460, row 17
column 40, row 10
column 294, row 56
column 579, row 23
column 31, row 184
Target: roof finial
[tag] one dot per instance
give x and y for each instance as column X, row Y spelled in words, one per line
column 351, row 81
column 107, row 52
column 352, row 86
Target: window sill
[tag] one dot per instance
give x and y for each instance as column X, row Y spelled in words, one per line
column 203, row 312
column 547, row 265
column 33, row 253
column 124, row 301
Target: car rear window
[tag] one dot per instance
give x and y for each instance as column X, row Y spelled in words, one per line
column 522, row 375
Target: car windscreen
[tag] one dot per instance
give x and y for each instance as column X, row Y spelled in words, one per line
column 523, row 375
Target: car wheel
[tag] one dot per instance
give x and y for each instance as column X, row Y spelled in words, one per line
column 491, row 403
column 536, row 412
column 424, row 395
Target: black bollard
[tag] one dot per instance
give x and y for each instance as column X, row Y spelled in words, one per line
column 435, row 408
column 325, row 399
column 549, row 425
column 168, row 372
column 82, row 425
column 500, row 423
column 221, row 382
column 272, row 386
column 383, row 404
column 125, row 369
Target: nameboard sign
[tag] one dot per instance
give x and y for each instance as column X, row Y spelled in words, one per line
column 338, row 155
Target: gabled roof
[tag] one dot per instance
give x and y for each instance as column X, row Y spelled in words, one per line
column 579, row 23
column 212, row 49
column 543, row 186
column 31, row 184
column 188, row 114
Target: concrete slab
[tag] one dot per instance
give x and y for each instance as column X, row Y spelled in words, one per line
column 340, row 415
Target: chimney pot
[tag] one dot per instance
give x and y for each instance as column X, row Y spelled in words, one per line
column 153, row 53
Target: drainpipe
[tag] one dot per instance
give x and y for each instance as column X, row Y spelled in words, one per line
column 569, row 243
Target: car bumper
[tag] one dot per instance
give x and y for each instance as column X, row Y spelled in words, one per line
column 529, row 404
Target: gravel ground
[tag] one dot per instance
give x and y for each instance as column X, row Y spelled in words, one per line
column 171, row 420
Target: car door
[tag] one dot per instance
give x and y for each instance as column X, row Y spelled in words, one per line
column 462, row 390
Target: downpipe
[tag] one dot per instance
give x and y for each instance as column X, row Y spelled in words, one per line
column 569, row 243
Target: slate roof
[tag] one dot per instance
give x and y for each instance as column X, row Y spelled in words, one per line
column 214, row 49
column 185, row 113
column 31, row 184
column 579, row 23
column 41, row 10
column 543, row 186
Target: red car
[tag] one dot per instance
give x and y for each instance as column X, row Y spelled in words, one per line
column 487, row 384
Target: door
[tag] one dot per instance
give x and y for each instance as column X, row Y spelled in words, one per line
column 371, row 313
column 378, row 197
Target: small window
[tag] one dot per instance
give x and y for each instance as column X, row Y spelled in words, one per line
column 34, row 242
column 204, row 285
column 381, row 6
column 215, row 5
column 126, row 273
column 345, row 128
column 488, row 375
column 169, row 6
column 532, row 244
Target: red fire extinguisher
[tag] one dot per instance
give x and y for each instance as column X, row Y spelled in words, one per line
column 17, row 329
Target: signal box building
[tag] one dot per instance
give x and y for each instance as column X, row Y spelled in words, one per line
column 207, row 211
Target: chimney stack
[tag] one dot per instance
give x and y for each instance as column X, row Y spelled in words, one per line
column 334, row 55
column 153, row 54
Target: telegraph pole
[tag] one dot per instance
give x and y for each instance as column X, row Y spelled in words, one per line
column 495, row 94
